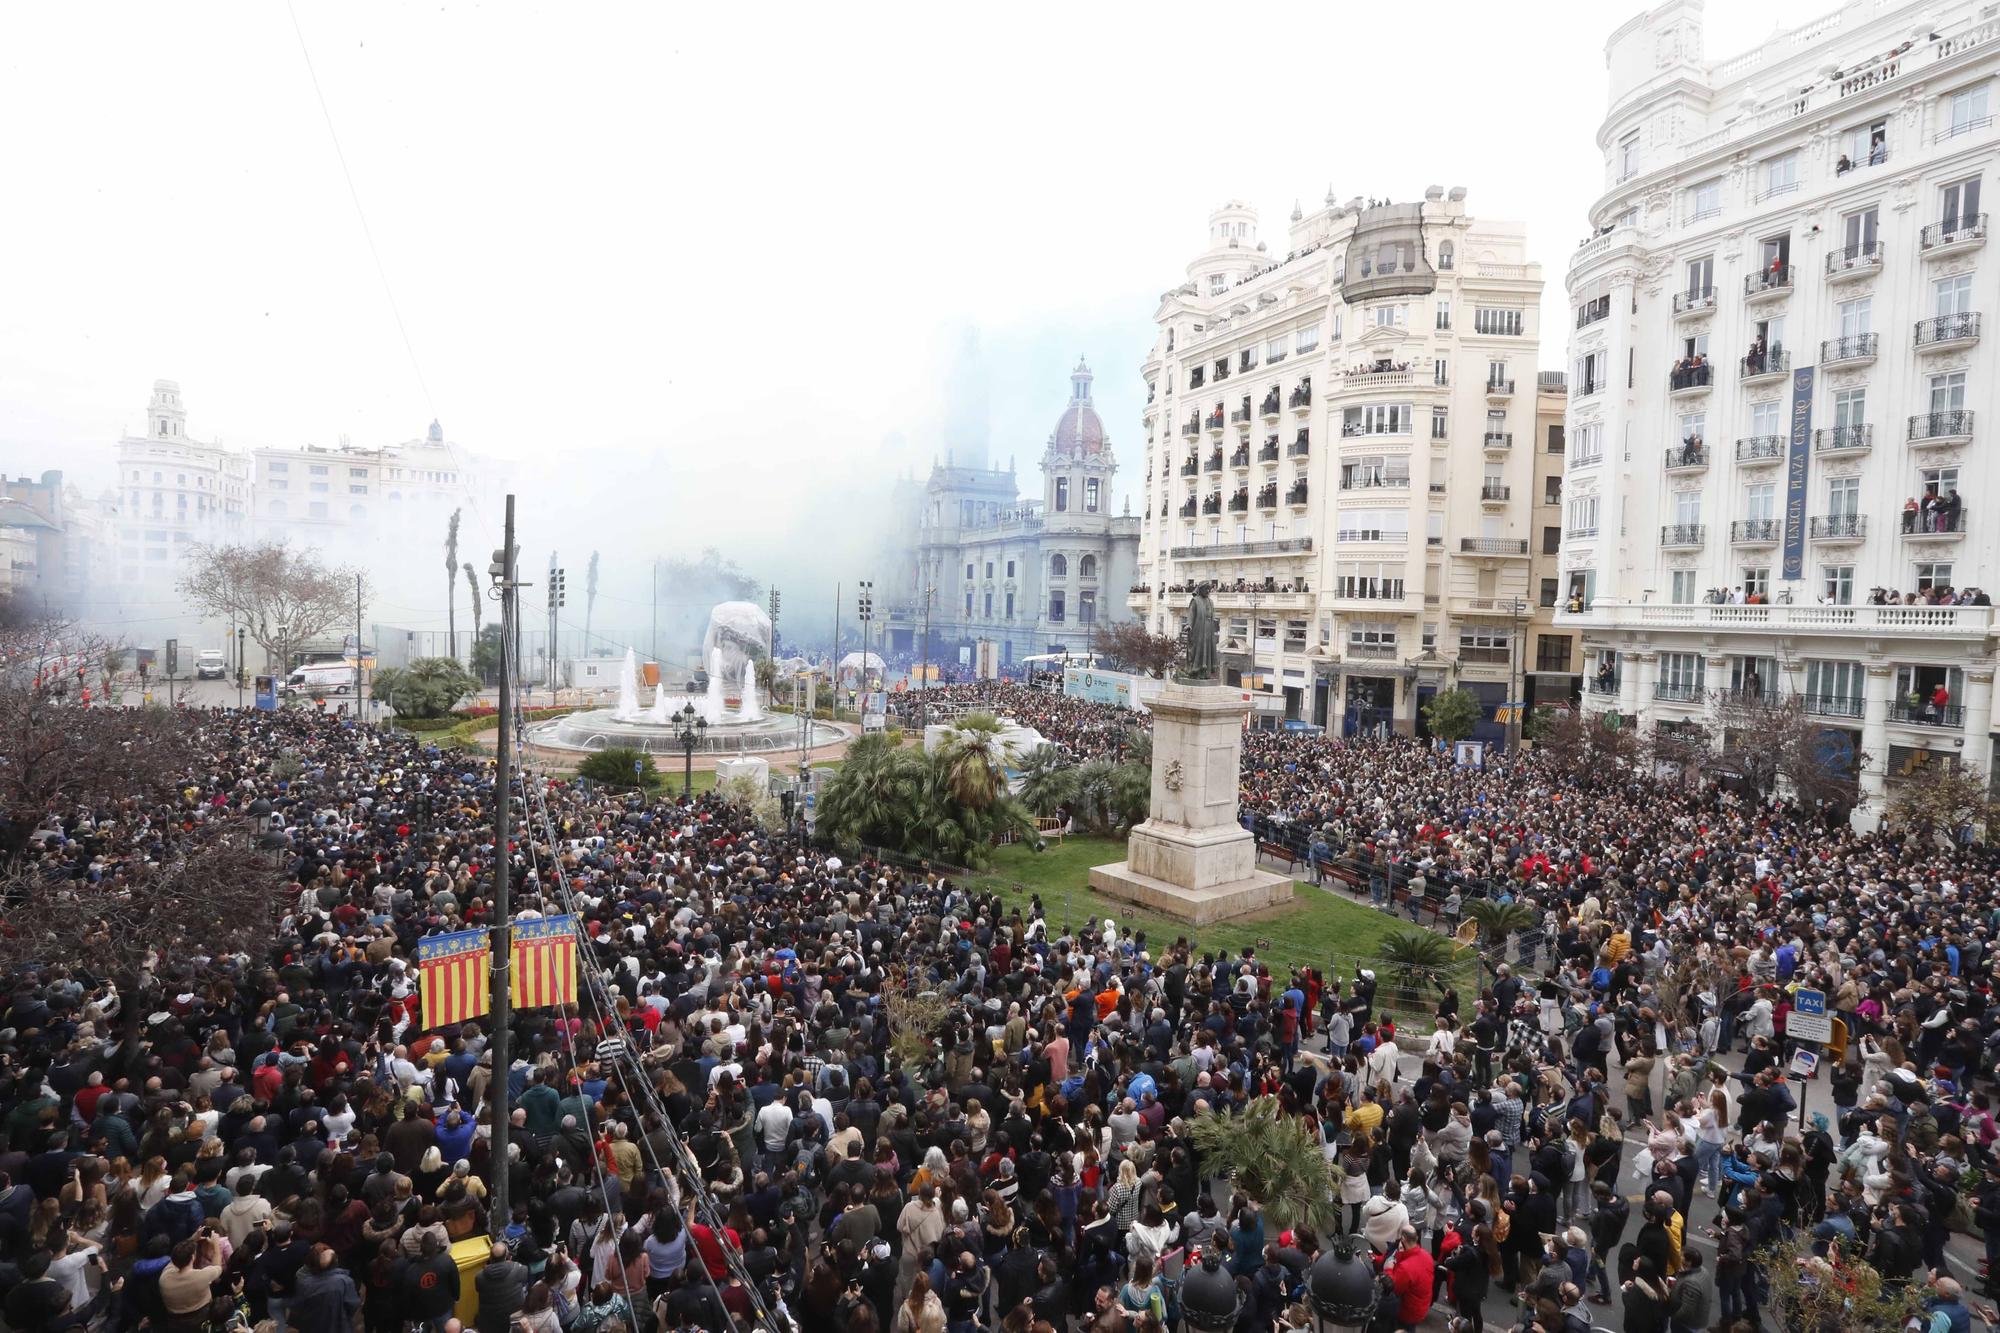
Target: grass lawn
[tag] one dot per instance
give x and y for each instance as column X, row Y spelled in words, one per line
column 1319, row 928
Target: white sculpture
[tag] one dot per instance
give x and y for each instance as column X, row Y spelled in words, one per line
column 739, row 632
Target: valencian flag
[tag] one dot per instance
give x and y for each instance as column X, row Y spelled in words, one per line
column 544, row 961
column 455, row 970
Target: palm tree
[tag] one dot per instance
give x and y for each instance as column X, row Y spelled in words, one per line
column 1095, row 800
column 1498, row 920
column 1047, row 780
column 1416, row 958
column 1131, row 794
column 972, row 762
column 472, row 591
column 1139, row 747
column 589, row 599
column 451, row 582
column 878, row 797
column 1276, row 1160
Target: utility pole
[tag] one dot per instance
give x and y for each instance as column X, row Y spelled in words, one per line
column 558, row 597
column 834, row 661
column 656, row 613
column 924, row 704
column 1514, row 703
column 504, row 587
column 865, row 609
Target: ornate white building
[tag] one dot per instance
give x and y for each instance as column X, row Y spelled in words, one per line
column 173, row 491
column 1340, row 439
column 1032, row 576
column 1779, row 380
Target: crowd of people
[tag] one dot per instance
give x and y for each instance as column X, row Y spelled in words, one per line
column 730, row 1128
column 1082, row 729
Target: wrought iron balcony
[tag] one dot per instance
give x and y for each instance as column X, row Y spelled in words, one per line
column 1695, row 301
column 1691, row 379
column 1775, row 280
column 1753, row 449
column 1952, row 235
column 1944, row 331
column 1854, row 261
column 1690, row 456
column 1927, row 428
column 1764, row 365
column 1684, row 535
column 1950, row 716
column 1837, row 527
column 1755, row 532
column 1844, row 439
column 1855, row 347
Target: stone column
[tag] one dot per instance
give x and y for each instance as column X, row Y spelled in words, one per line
column 1979, row 721
column 1875, row 745
column 1714, row 680
column 1642, row 670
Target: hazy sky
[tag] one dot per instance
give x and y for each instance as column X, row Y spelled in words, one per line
column 700, row 262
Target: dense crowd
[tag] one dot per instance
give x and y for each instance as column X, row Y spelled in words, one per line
column 725, row 1130
column 1081, row 729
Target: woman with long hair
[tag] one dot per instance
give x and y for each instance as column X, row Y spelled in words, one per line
column 921, row 1311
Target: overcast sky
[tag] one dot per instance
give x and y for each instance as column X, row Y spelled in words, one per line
column 714, row 256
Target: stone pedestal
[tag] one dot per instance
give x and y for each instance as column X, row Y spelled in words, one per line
column 1190, row 859
column 744, row 766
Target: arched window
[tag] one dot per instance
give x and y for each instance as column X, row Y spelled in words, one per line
column 1058, row 567
column 1087, row 567
column 1444, row 254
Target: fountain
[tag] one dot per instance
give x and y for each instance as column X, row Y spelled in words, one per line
column 732, row 646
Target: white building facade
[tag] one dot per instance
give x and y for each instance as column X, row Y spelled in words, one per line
column 1779, row 379
column 173, row 491
column 1340, row 441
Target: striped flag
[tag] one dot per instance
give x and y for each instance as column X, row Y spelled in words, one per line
column 456, row 974
column 544, row 962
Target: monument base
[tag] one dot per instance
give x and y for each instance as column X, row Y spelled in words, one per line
column 1197, row 906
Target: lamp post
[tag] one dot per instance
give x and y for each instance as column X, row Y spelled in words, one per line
column 693, row 726
column 924, row 704
column 1515, row 704
column 866, row 614
column 242, row 635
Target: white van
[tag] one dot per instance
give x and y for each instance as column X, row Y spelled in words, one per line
column 322, row 678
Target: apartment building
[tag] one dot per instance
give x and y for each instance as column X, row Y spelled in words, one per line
column 1339, row 438
column 315, row 492
column 173, row 491
column 1552, row 656
column 1779, row 378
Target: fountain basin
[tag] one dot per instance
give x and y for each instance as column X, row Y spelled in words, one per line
column 601, row 729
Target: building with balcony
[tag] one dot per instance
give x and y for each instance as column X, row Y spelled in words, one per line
column 1551, row 653
column 1368, row 402
column 1030, row 576
column 322, row 494
column 1809, row 214
column 173, row 492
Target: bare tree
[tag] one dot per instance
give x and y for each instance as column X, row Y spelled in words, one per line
column 1686, row 750
column 1131, row 647
column 266, row 585
column 451, row 582
column 1941, row 798
column 1583, row 745
column 1770, row 740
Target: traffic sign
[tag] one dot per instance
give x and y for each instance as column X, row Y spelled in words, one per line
column 1804, row 1063
column 1809, row 1002
column 173, row 658
column 1809, row 1027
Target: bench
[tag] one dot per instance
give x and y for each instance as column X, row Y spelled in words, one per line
column 1277, row 851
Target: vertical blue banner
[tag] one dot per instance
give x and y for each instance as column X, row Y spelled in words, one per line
column 1797, row 471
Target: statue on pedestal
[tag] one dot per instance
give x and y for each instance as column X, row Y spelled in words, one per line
column 1198, row 657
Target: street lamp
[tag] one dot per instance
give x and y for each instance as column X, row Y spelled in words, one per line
column 242, row 634
column 693, row 726
column 1515, row 704
column 924, row 703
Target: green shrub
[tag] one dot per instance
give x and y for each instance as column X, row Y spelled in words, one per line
column 614, row 768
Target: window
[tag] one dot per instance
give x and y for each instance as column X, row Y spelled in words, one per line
column 1086, row 607
column 1781, row 174
column 1952, row 296
column 1958, row 203
column 1966, row 111
column 1836, row 584
column 273, row 467
column 1377, row 419
column 1704, row 200
column 1369, row 581
column 1854, row 316
column 1247, row 359
column 1942, row 480
column 1217, row 284
column 989, row 569
column 1948, row 391
column 1010, row 569
column 968, row 569
column 1682, row 592
column 1682, row 672
column 1701, row 276
column 1439, row 418
column 1010, row 606
column 1836, row 683
column 1055, row 606
column 1583, row 516
column 357, row 472
column 1373, row 525
column 1444, row 314
column 1552, row 541
column 1760, row 501
column 1552, row 650
column 1087, row 567
column 1586, row 445
column 276, row 485
column 1307, row 339
column 1857, row 231
column 316, row 486
column 1090, row 494
column 1499, row 322
column 968, row 601
column 1628, row 156
column 1850, row 409
column 1864, row 146
column 1389, row 316
column 1933, row 574
column 1552, row 490
column 1274, row 350
column 1767, row 418
column 1485, row 643
column 1687, row 507
column 1757, row 583
column 1843, row 496
column 1373, row 470
column 1058, row 566
column 989, row 606
column 1441, row 371
column 1444, row 255
column 357, row 490
column 1551, row 590
column 316, row 469
column 1062, row 494
column 1372, row 639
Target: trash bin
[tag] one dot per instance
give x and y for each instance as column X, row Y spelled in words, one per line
column 471, row 1255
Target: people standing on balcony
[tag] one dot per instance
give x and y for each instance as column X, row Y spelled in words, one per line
column 1842, row 167
column 1878, row 150
column 1912, row 511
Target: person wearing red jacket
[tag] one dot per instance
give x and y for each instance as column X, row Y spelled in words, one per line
column 1414, row 1274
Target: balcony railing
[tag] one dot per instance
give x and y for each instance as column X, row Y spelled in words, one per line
column 1301, row 397
column 1941, row 523
column 1687, row 457
column 1967, row 624
column 1297, row 494
column 1838, row 527
column 1299, row 448
column 1189, row 508
column 1238, row 416
column 1676, row 694
column 1240, row 458
column 1191, row 427
column 1843, row 439
column 1948, row 330
column 1215, row 421
column 1598, row 686
column 1684, row 378
column 1215, row 461
column 1493, row 545
column 1694, row 301
column 1267, row 497
column 1927, row 715
column 1499, row 388
column 1760, row 448
column 1232, row 550
column 1270, row 407
column 1267, row 453
column 1684, row 534
column 1758, row 365
column 1952, row 425
column 1496, row 492
column 1585, row 388
column 1953, row 233
column 1774, row 280
column 1373, row 481
column 1499, row 439
column 1755, row 531
column 1592, row 311
column 1239, row 504
column 1854, row 347
column 1854, row 260
column 1212, row 505
column 1833, row 705
column 1191, row 467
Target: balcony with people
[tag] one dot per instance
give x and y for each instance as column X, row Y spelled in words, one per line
column 1191, row 466
column 1771, row 281
column 1690, row 455
column 1302, row 396
column 1189, row 507
column 1216, row 420
column 1267, row 495
column 1212, row 503
column 1239, row 503
column 1934, row 515
column 1215, row 460
column 1269, row 410
column 1192, row 426
column 1239, row 458
column 1763, row 361
column 1241, row 416
column 1268, row 452
column 1926, row 697
column 1302, row 446
column 1690, row 375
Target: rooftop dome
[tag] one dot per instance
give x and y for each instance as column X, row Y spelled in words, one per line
column 1079, row 428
